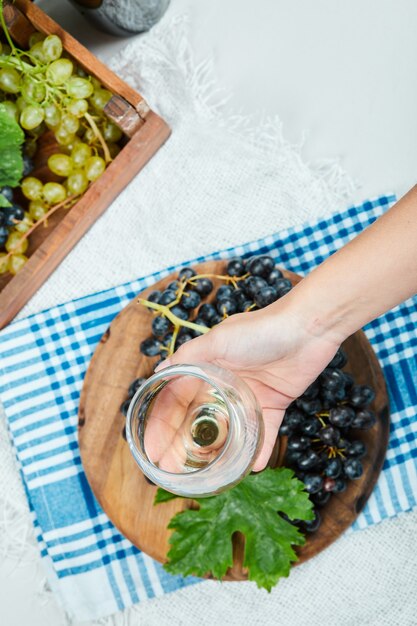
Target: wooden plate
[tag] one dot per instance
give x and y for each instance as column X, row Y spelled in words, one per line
column 119, row 484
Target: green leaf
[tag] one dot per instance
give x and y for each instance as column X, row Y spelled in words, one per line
column 11, row 138
column 164, row 496
column 202, row 539
column 4, row 201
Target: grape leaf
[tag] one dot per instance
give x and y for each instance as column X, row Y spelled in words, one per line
column 202, row 539
column 11, row 161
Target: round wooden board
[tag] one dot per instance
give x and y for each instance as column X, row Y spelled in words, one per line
column 119, row 484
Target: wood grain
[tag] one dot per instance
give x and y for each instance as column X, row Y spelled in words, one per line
column 144, row 133
column 119, row 484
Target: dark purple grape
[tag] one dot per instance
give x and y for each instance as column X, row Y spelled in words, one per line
column 12, row 214
column 333, row 467
column 329, row 435
column 283, row 286
column 298, row 443
column 265, row 296
column 224, row 292
column 364, row 419
column 332, row 378
column 253, row 284
column 186, row 272
column 311, row 392
column 353, row 468
column 244, row 306
column 310, row 427
column 7, row 192
column 216, row 319
column 180, row 312
column 285, row 429
column 308, row 460
column 312, row 483
column 260, row 265
column 124, row 407
column 311, row 407
column 167, row 297
column 151, row 347
column 361, row 396
column 339, row 485
column 227, row 306
column 160, row 326
column 295, row 417
column 349, row 380
column 154, row 296
column 207, row 312
column 190, row 300
column 203, row 286
column 341, row 416
column 173, row 286
column 134, row 386
column 181, row 339
column 339, row 360
column 356, row 448
column 198, row 320
column 292, row 456
column 166, row 340
column 273, row 276
column 312, row 525
column 320, row 498
column 235, row 267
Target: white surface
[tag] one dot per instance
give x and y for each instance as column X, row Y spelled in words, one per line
column 342, row 73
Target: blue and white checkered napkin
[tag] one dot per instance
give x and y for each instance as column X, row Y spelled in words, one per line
column 43, row 360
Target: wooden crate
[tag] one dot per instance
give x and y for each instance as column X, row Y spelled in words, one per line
column 145, row 132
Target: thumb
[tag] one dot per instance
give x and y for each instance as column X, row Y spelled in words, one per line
column 197, row 350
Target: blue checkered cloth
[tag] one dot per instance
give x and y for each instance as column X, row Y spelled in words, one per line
column 43, row 359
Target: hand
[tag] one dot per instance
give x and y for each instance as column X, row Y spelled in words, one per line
column 271, row 350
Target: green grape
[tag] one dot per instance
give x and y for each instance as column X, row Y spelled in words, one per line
column 114, row 149
column 77, row 183
column 94, row 167
column 63, row 137
column 4, row 262
column 60, row 164
column 89, row 136
column 21, row 103
column 78, row 107
column 11, row 109
column 100, row 98
column 96, row 82
column 32, row 90
column 111, row 132
column 9, row 80
column 32, row 188
column 37, row 209
column 15, row 243
column 68, row 148
column 53, row 193
column 37, row 52
column 35, row 38
column 52, row 48
column 32, row 116
column 70, row 123
column 52, row 115
column 59, row 71
column 78, row 87
column 25, row 224
column 16, row 262
column 80, row 153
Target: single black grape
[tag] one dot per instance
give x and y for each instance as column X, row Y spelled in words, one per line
column 349, row 380
column 312, row 482
column 7, row 192
column 134, row 386
column 151, row 347
column 265, row 296
column 253, row 284
column 160, row 326
column 186, row 272
column 320, row 498
column 311, row 407
column 333, row 467
column 124, row 407
column 198, row 320
column 181, row 339
column 173, row 286
column 353, row 468
column 154, row 296
column 296, row 442
column 167, row 297
column 339, row 360
column 329, row 435
column 285, row 429
column 12, row 214
column 203, row 286
column 308, row 460
column 312, row 525
column 166, row 340
column 260, row 265
column 356, row 448
column 180, row 312
column 312, row 391
column 273, row 276
column 364, row 419
column 310, row 427
column 283, row 286
column 216, row 319
column 294, row 416
column 332, row 378
column 361, row 396
column 190, row 300
column 227, row 306
column 292, row 456
column 235, row 267
column 341, row 416
column 207, row 311
column 244, row 306
column 339, row 485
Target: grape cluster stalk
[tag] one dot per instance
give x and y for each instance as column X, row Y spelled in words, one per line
column 45, row 91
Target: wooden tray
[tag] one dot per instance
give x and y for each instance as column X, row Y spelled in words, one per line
column 119, row 484
column 145, row 132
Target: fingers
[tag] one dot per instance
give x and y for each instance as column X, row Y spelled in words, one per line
column 272, row 421
column 199, row 350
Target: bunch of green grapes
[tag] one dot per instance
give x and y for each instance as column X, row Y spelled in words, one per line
column 44, row 90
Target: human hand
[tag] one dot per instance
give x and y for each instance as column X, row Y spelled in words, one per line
column 273, row 351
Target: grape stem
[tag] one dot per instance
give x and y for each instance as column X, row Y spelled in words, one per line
column 172, row 317
column 99, row 136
